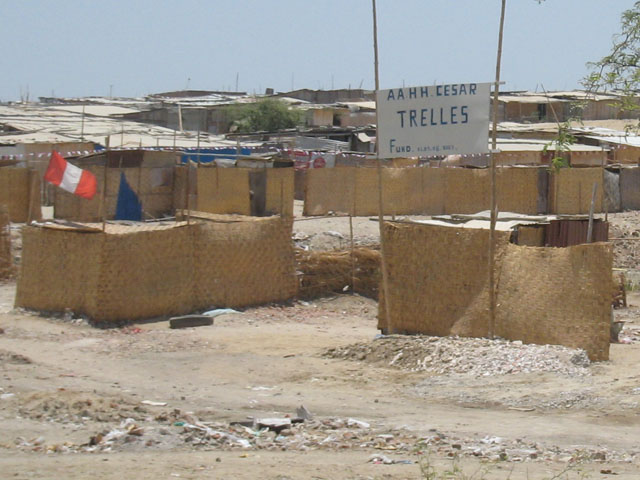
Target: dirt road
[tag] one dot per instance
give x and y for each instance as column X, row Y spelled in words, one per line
column 65, row 387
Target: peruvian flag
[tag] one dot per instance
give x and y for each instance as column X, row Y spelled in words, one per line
column 70, row 178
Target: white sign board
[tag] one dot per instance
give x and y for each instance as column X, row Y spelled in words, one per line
column 433, row 120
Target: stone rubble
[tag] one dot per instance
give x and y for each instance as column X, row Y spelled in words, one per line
column 478, row 357
column 399, row 445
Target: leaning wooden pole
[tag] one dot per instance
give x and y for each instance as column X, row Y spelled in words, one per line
column 494, row 207
column 383, row 258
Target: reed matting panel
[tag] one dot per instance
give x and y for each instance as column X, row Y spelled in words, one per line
column 438, row 285
column 6, row 262
column 129, row 273
column 630, row 188
column 245, row 263
column 154, row 187
column 20, row 192
column 438, row 279
column 419, row 191
column 570, row 190
column 557, row 296
column 329, row 272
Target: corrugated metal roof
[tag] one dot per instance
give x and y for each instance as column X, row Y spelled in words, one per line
column 41, row 123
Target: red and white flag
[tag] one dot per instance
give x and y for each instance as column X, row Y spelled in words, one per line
column 70, row 178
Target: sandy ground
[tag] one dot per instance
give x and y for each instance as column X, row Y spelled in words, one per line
column 64, row 385
column 64, row 382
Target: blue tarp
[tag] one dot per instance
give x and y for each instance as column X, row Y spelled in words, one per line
column 208, row 155
column 129, row 206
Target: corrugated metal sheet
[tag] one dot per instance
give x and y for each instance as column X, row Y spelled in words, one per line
column 564, row 233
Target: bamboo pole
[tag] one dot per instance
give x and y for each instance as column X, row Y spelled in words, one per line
column 82, row 126
column 591, row 210
column 383, row 259
column 494, row 206
column 103, row 196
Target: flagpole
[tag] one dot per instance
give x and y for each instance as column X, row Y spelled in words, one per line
column 494, row 207
column 383, row 259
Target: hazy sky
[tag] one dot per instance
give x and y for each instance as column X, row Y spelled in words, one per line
column 83, row 47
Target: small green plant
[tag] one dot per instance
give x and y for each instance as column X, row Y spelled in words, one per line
column 561, row 146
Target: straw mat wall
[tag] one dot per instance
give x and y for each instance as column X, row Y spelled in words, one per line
column 144, row 274
column 131, row 273
column 630, row 188
column 227, row 190
column 416, row 191
column 557, row 296
column 153, row 185
column 570, row 190
column 17, row 187
column 324, row 273
column 223, row 190
column 245, row 263
column 6, row 263
column 59, row 270
column 438, row 286
column 437, row 279
column 329, row 190
column 280, row 191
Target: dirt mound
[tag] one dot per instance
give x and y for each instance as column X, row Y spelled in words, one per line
column 15, row 358
column 470, row 356
column 77, row 407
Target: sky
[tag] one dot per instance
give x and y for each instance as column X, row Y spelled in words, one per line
column 128, row 48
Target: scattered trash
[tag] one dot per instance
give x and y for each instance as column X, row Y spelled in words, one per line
column 219, row 311
column 303, row 413
column 154, row 404
column 352, row 422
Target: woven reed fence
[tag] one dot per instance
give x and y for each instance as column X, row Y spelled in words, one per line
column 154, row 187
column 130, row 273
column 229, row 190
column 6, row 263
column 438, row 285
column 324, row 273
column 421, row 191
column 20, row 192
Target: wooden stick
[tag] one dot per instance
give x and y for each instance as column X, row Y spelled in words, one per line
column 494, row 208
column 591, row 209
column 383, row 258
column 103, row 196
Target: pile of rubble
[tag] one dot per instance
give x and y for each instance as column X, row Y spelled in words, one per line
column 470, row 356
column 392, row 446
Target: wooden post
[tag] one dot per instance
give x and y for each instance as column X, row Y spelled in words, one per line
column 591, row 211
column 103, row 196
column 383, row 259
column 605, row 203
column 282, row 214
column 494, row 207
column 82, row 126
column 187, row 197
column 31, row 177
